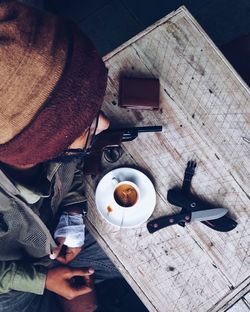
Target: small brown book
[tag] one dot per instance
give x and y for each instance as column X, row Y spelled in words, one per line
column 139, row 93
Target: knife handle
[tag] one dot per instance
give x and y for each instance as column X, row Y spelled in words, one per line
column 160, row 223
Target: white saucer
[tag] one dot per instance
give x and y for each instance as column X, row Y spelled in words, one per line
column 125, row 217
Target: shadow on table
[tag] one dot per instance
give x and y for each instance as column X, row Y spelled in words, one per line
column 117, row 296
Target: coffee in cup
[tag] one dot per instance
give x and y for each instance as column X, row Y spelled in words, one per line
column 126, row 194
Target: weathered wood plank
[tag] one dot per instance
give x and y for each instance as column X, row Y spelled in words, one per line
column 232, row 297
column 239, row 306
column 204, row 111
column 247, row 299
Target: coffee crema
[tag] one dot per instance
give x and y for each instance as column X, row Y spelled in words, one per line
column 125, row 195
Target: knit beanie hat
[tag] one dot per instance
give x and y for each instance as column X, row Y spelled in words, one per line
column 52, row 84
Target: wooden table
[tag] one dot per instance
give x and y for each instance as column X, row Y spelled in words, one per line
column 205, row 112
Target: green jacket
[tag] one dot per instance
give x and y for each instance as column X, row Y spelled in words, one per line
column 25, row 239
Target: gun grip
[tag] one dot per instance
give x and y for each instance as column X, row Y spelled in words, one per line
column 92, row 164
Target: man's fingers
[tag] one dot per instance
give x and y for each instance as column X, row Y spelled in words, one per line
column 81, row 272
column 61, row 259
column 60, row 240
column 69, row 282
column 80, row 285
column 73, row 293
column 68, row 255
column 84, row 290
column 56, row 251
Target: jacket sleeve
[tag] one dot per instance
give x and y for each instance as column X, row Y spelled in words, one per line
column 76, row 195
column 21, row 277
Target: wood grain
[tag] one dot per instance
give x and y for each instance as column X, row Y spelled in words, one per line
column 205, row 112
column 247, row 299
column 239, row 306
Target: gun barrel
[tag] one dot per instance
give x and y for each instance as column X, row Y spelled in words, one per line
column 149, row 129
column 135, row 129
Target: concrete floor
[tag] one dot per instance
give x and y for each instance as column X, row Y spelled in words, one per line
column 112, row 22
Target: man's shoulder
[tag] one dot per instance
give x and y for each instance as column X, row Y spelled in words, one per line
column 70, row 167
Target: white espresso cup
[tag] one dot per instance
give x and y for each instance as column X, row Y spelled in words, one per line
column 126, row 193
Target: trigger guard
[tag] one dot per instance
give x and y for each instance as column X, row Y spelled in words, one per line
column 112, row 154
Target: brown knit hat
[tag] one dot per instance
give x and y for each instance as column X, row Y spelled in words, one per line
column 52, row 83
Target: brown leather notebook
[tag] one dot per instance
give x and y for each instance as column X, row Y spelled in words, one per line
column 139, row 93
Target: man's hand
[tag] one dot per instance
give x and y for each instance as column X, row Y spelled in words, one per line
column 63, row 253
column 59, row 280
column 68, row 255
